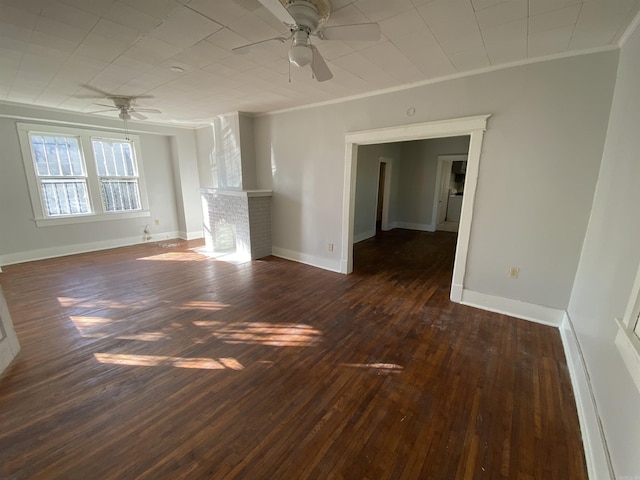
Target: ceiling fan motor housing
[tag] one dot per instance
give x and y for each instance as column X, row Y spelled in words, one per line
column 305, row 14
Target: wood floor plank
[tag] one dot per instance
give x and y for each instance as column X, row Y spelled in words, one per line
column 156, row 362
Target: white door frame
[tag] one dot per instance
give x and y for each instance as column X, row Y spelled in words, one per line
column 442, row 159
column 386, row 191
column 9, row 346
column 472, row 126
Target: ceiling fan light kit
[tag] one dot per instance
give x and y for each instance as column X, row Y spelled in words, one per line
column 304, row 18
column 300, row 54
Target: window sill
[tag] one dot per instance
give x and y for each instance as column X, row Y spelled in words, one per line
column 50, row 222
column 629, row 347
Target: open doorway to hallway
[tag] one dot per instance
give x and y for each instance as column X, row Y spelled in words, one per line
column 473, row 127
column 415, row 185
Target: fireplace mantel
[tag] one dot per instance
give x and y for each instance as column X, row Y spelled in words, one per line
column 237, row 193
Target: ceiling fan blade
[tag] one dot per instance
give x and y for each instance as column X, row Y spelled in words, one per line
column 278, row 10
column 146, row 110
column 249, row 47
column 137, row 115
column 101, row 93
column 104, row 111
column 319, row 67
column 359, row 31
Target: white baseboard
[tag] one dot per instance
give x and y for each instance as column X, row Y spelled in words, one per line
column 513, row 308
column 319, row 262
column 62, row 250
column 595, row 445
column 190, row 235
column 456, row 293
column 359, row 237
column 422, row 227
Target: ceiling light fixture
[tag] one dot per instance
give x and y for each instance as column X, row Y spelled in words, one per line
column 300, row 53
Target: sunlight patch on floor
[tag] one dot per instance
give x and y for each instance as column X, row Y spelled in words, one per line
column 272, row 334
column 175, row 257
column 202, row 305
column 165, row 361
column 94, row 327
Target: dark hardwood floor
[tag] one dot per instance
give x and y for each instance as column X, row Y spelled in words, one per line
column 156, row 362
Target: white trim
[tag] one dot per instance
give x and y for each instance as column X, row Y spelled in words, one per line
column 237, row 193
column 595, row 445
column 629, row 347
column 190, row 235
column 629, row 31
column 514, row 308
column 450, row 127
column 431, row 81
column 471, row 126
column 627, row 339
column 68, row 220
column 364, row 236
column 9, row 345
column 314, row 261
column 422, row 227
column 53, row 252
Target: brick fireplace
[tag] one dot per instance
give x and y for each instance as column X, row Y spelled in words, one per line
column 237, row 222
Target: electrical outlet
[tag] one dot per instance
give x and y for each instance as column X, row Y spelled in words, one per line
column 331, row 247
column 514, row 272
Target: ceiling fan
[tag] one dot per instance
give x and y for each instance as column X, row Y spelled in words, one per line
column 305, row 18
column 125, row 105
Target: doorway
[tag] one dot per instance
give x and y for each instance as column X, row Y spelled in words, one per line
column 474, row 127
column 449, row 192
column 380, row 203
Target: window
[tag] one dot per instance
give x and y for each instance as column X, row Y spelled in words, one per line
column 61, row 175
column 116, row 165
column 78, row 175
column 628, row 338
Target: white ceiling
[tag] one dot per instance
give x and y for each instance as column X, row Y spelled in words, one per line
column 49, row 49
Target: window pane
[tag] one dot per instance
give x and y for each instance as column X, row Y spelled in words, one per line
column 120, row 195
column 39, row 155
column 57, row 156
column 114, row 159
column 65, row 197
column 51, row 153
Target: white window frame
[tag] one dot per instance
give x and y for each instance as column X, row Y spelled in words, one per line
column 98, row 212
column 628, row 337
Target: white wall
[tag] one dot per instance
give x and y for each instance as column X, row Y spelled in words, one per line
column 538, row 169
column 607, row 268
column 164, row 151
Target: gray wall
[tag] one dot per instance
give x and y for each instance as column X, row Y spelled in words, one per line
column 165, row 151
column 608, row 265
column 418, row 170
column 367, row 177
column 538, row 169
column 413, row 179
